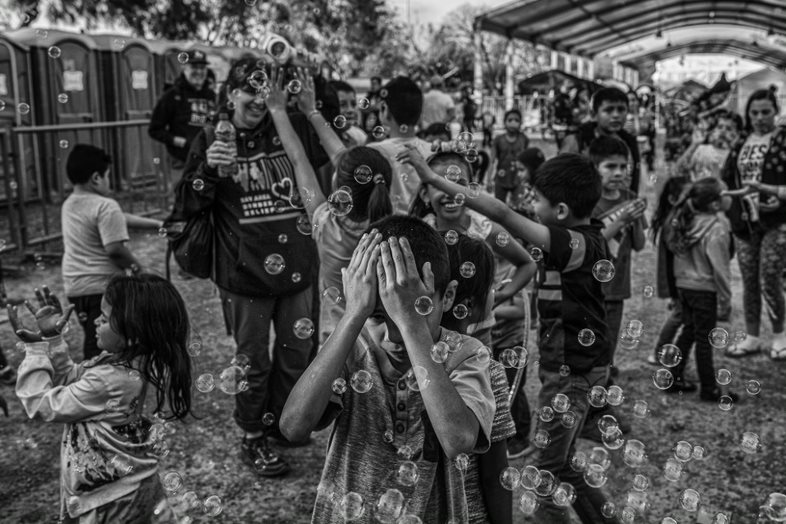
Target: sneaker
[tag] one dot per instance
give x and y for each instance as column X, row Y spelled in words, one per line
column 681, row 385
column 8, row 376
column 715, row 395
column 519, row 448
column 258, row 454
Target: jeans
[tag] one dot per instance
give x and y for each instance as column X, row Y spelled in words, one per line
column 762, row 258
column 614, row 312
column 269, row 381
column 670, row 327
column 88, row 309
column 699, row 317
column 556, row 456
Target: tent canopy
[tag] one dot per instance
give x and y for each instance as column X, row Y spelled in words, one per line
column 590, row 27
column 554, row 79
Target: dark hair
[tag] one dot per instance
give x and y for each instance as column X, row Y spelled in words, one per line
column 84, row 160
column 435, row 129
column 340, row 85
column 149, row 313
column 377, row 79
column 572, row 179
column 426, row 244
column 723, row 114
column 695, row 199
column 761, row 94
column 511, row 112
column 404, row 100
column 604, row 147
column 370, row 200
column 419, row 208
column 608, row 94
column 472, row 292
column 670, row 195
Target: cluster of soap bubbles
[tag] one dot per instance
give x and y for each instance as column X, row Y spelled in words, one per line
column 188, row 502
column 232, row 380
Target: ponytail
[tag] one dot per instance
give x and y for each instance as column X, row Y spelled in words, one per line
column 371, row 191
column 379, row 204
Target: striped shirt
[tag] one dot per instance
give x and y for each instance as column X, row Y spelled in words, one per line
column 570, row 299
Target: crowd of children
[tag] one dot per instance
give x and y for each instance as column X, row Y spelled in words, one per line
column 423, row 307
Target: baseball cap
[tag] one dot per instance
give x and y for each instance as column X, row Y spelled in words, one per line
column 196, row 57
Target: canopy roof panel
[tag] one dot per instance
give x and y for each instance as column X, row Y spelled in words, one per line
column 589, row 27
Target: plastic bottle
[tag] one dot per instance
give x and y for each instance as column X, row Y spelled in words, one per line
column 225, row 132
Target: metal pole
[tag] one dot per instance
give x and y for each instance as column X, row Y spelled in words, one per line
column 509, row 74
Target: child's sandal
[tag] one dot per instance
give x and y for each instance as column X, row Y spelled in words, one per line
column 735, row 351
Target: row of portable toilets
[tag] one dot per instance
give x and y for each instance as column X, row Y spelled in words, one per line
column 51, row 79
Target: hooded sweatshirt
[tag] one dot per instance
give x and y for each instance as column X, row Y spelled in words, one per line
column 705, row 265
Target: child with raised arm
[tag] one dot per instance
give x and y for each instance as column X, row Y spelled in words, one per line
column 570, row 300
column 108, row 464
column 364, row 171
column 396, row 412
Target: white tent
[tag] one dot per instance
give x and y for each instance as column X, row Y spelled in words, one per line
column 761, row 79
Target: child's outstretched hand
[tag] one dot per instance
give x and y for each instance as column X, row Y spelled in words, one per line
column 360, row 278
column 634, row 211
column 410, row 155
column 400, row 285
column 277, row 98
column 49, row 317
column 307, row 98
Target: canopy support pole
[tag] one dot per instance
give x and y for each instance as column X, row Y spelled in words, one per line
column 477, row 73
column 509, row 74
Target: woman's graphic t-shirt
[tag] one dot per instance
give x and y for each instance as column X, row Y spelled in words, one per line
column 749, row 164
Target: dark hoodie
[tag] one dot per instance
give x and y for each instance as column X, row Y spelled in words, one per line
column 705, row 265
column 181, row 111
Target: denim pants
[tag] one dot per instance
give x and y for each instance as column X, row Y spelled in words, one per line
column 670, row 327
column 269, row 380
column 699, row 317
column 556, row 456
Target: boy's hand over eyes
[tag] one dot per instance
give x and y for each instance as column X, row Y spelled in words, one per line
column 360, row 276
column 399, row 282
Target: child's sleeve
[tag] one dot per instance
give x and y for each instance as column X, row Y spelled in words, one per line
column 717, row 249
column 112, row 223
column 51, row 389
column 567, row 249
column 472, row 381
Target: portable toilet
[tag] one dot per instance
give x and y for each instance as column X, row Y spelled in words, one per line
column 167, row 65
column 128, row 79
column 66, row 92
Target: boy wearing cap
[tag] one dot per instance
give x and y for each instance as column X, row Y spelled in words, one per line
column 183, row 110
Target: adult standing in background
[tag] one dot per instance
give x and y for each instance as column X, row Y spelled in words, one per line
column 438, row 106
column 183, row 110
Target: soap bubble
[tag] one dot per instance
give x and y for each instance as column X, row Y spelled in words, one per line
column 361, row 381
column 560, row 402
column 615, row 396
column 461, row 462
column 530, row 477
column 417, row 378
column 723, row 377
column 586, row 337
column 541, row 439
column 595, row 476
column 634, row 454
column 460, row 311
column 698, row 453
column 172, row 482
column 467, row 270
column 63, row 144
column 663, row 379
column 363, row 174
column 332, row 295
column 601, row 457
column 509, row 478
column 612, row 439
column 471, row 156
column 473, row 191
column 503, row 238
column 363, row 104
column 574, row 243
column 596, row 396
column 669, row 355
column 62, row 98
column 547, row 484
column 340, row 122
column 641, row 409
column 268, row 419
column 536, row 253
column 648, row 291
column 453, row 173
column 303, row 328
column 440, row 352
column 351, row 506
column 626, row 341
column 609, row 509
column 719, row 338
column 303, row 225
column 603, row 270
column 198, row 184
column 564, row 370
column 340, row 202
column 23, row 108
column 453, row 340
column 274, row 264
column 578, row 462
column 378, row 132
column 451, row 237
column 546, row 414
column 683, row 451
column 407, row 473
column 182, row 57
column 483, row 355
column 635, row 328
column 515, row 357
column 750, row 442
column 690, row 499
column 424, row 305
column 753, row 387
column 339, row 386
column 294, row 86
column 232, row 380
column 725, row 403
column 608, row 423
column 641, row 482
column 389, row 506
column 2, row 105
column 54, row 52
column 564, row 495
column 569, row 419
column 283, row 238
column 528, row 503
column 205, row 383
column 459, row 199
column 212, row 506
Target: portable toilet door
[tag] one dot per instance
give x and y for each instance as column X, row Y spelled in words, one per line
column 167, row 64
column 18, row 173
column 128, row 78
column 66, row 92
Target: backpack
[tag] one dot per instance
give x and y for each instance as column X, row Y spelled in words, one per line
column 191, row 241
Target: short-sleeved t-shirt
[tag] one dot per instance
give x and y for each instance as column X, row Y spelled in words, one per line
column 502, row 429
column 571, row 299
column 336, row 238
column 506, row 333
column 436, row 107
column 371, row 428
column 405, row 182
column 89, row 222
column 507, row 154
column 751, row 157
column 619, row 247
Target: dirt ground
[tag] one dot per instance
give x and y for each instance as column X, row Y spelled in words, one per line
column 204, row 451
